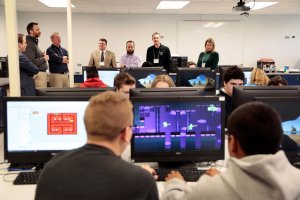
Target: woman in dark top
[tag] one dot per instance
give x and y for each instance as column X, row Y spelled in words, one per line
column 209, row 58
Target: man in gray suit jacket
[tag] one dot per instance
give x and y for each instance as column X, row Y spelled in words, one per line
column 103, row 57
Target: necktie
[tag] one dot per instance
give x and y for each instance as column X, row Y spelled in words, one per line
column 102, row 57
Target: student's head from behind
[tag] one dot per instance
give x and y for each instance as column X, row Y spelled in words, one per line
column 108, row 117
column 92, row 72
column 191, row 64
column 162, row 81
column 233, row 76
column 209, row 45
column 259, row 77
column 254, row 128
column 22, row 43
column 124, row 82
column 277, row 81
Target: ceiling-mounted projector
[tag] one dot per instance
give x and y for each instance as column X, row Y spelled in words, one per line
column 241, row 7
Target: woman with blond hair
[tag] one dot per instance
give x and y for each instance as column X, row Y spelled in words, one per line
column 259, row 77
column 162, row 81
column 209, row 58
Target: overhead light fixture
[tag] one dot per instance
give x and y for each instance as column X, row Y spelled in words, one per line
column 259, row 5
column 56, row 3
column 172, row 4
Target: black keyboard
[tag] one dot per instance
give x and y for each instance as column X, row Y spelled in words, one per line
column 189, row 174
column 27, row 178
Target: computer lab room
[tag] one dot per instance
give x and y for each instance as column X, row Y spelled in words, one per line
column 149, row 99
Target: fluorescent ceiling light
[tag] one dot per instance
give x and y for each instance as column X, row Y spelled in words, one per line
column 56, row 3
column 172, row 4
column 260, row 5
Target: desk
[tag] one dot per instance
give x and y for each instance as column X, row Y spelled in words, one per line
column 9, row 191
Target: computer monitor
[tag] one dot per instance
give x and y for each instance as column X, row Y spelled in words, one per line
column 107, row 75
column 196, row 77
column 85, row 92
column 36, row 128
column 145, row 75
column 178, row 129
column 289, row 111
column 244, row 94
column 165, row 92
column 179, row 61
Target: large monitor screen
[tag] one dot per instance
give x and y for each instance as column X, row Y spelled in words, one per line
column 107, row 75
column 145, row 75
column 196, row 77
column 289, row 111
column 173, row 129
column 38, row 127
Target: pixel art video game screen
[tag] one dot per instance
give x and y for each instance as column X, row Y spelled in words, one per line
column 178, row 126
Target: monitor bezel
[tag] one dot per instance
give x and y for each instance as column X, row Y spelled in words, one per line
column 172, row 91
column 88, row 92
column 31, row 157
column 180, row 157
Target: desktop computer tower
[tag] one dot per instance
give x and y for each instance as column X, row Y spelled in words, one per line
column 179, row 61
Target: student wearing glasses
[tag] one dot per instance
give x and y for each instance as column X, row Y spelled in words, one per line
column 103, row 57
column 232, row 76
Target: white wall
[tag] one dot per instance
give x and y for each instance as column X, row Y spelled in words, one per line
column 263, row 35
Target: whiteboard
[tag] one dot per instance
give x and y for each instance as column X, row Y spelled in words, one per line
column 228, row 36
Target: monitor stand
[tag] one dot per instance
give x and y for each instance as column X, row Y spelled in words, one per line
column 25, row 166
column 177, row 165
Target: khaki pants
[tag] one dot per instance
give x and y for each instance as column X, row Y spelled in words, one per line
column 40, row 80
column 59, row 80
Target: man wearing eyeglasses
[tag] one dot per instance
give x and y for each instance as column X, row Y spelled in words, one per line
column 256, row 169
column 232, row 76
column 103, row 57
column 96, row 170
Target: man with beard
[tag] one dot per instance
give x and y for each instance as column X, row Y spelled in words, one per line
column 130, row 59
column 35, row 55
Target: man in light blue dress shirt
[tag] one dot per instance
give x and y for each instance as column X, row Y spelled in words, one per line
column 130, row 59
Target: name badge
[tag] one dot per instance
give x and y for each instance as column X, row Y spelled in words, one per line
column 203, row 65
column 101, row 63
column 155, row 60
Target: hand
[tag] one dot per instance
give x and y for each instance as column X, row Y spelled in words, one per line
column 65, row 59
column 46, row 57
column 212, row 172
column 174, row 174
column 150, row 170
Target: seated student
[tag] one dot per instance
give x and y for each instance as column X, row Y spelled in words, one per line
column 259, row 77
column 93, row 80
column 191, row 64
column 124, row 82
column 96, row 170
column 277, row 81
column 232, row 76
column 257, row 169
column 162, row 81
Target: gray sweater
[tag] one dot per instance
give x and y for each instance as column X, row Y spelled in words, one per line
column 253, row 177
column 34, row 54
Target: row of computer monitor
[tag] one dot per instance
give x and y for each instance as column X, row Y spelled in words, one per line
column 167, row 128
column 185, row 77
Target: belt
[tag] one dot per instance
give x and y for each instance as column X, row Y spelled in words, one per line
column 59, row 72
